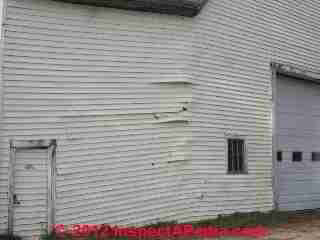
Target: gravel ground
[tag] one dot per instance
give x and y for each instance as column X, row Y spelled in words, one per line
column 300, row 227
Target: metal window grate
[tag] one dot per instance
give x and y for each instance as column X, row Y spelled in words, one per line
column 315, row 156
column 236, row 156
column 279, row 156
column 296, row 156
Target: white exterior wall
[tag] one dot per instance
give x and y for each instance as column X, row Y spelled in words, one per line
column 237, row 42
column 89, row 77
column 3, row 159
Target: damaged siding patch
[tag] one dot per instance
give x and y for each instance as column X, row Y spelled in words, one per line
column 91, row 81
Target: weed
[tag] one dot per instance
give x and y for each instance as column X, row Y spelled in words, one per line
column 251, row 219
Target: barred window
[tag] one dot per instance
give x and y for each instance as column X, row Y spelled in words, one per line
column 236, row 156
column 315, row 156
column 279, row 156
column 296, row 156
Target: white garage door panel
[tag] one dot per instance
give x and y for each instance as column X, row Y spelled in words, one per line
column 286, row 145
column 298, row 129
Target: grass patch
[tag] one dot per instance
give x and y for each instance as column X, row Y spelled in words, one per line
column 162, row 224
column 269, row 219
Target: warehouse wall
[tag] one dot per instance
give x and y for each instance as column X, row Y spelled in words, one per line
column 237, row 42
column 100, row 82
column 3, row 159
column 118, row 89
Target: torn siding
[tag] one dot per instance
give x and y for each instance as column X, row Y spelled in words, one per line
column 111, row 86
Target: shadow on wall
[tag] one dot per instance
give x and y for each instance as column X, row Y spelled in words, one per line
column 188, row 8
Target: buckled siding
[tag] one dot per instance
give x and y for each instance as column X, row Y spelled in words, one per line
column 96, row 80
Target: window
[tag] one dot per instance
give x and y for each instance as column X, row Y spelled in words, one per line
column 279, row 156
column 296, row 156
column 315, row 156
column 236, row 156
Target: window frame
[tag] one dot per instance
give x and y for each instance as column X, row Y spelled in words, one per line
column 279, row 154
column 245, row 154
column 314, row 156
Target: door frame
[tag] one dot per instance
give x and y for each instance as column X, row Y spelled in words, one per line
column 297, row 72
column 50, row 145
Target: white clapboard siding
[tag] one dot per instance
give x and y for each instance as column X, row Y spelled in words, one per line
column 105, row 95
column 237, row 41
column 110, row 86
column 3, row 146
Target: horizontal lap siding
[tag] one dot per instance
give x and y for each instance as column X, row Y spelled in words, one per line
column 232, row 97
column 3, row 145
column 89, row 77
column 236, row 42
column 3, row 186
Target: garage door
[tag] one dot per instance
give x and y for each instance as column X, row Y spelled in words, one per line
column 298, row 144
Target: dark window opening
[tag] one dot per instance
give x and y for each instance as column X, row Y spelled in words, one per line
column 279, row 156
column 315, row 156
column 236, row 156
column 297, row 156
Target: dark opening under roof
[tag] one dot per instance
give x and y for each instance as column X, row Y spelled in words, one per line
column 189, row 8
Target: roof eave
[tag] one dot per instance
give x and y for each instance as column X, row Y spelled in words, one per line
column 188, row 8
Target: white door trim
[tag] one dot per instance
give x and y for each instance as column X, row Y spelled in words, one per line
column 50, row 145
